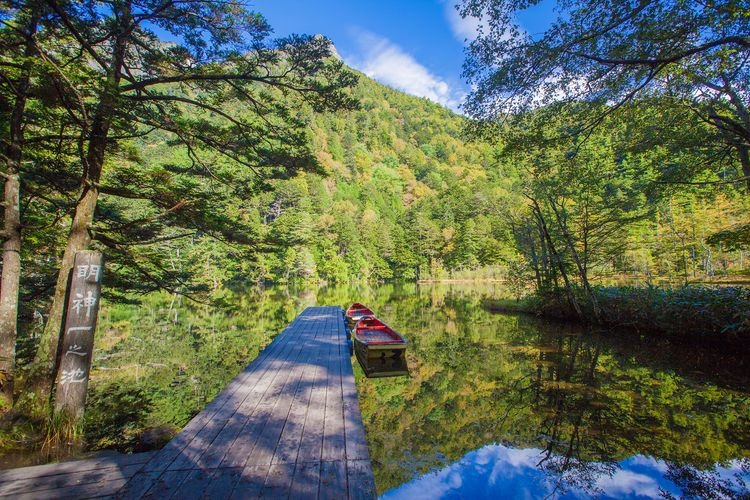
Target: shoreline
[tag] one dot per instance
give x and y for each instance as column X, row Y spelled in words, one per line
column 694, row 313
column 626, row 281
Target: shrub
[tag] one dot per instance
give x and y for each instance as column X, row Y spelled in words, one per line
column 707, row 312
column 115, row 416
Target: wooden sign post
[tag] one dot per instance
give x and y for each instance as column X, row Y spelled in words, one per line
column 77, row 347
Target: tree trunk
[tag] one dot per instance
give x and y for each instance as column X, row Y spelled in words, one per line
column 556, row 256
column 10, row 283
column 11, row 273
column 543, row 255
column 744, row 153
column 579, row 263
column 535, row 262
column 78, row 239
column 47, row 356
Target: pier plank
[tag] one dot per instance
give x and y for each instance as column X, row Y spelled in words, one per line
column 226, row 420
column 47, row 485
column 334, row 444
column 289, row 425
column 251, row 482
column 333, row 480
column 306, row 480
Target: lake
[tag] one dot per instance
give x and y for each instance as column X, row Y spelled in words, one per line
column 504, row 405
column 495, row 404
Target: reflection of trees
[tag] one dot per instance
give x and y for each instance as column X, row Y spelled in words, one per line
column 589, row 401
column 565, row 393
column 708, row 484
column 176, row 356
column 573, row 473
column 585, row 430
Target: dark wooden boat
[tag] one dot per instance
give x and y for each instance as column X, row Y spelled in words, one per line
column 374, row 339
column 356, row 311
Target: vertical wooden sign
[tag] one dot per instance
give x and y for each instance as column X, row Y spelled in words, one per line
column 78, row 335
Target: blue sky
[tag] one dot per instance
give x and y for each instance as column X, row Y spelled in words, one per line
column 416, row 46
column 497, row 471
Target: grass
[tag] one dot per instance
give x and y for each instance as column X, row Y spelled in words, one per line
column 696, row 312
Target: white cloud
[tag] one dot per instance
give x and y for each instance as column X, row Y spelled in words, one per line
column 388, row 63
column 625, row 483
column 465, row 29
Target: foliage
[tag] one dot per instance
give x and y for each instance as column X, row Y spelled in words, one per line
column 113, row 412
column 517, row 279
column 607, row 52
column 717, row 315
column 735, row 237
column 401, row 196
column 117, row 86
column 702, row 312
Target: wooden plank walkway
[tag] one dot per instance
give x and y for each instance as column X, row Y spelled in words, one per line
column 94, row 477
column 288, row 426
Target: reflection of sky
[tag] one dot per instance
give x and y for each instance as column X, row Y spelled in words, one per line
column 497, row 471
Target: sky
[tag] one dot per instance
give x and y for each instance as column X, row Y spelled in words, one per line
column 497, row 471
column 416, row 46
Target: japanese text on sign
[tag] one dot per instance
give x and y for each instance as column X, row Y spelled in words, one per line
column 88, row 271
column 80, row 302
column 75, row 376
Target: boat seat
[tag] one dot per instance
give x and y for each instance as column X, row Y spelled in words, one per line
column 377, row 336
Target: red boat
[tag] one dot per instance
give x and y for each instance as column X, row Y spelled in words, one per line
column 375, row 339
column 356, row 311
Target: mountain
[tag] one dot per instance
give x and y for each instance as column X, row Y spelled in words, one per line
column 404, row 194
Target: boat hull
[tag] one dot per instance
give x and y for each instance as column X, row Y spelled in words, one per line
column 352, row 320
column 383, row 367
column 355, row 313
column 374, row 339
column 374, row 351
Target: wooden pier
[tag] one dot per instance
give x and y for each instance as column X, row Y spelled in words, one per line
column 288, row 426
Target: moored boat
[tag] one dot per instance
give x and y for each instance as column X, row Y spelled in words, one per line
column 374, row 339
column 356, row 311
column 383, row 367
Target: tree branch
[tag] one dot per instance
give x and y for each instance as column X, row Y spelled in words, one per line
column 707, row 183
column 729, row 40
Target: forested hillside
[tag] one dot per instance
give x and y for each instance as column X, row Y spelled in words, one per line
column 404, row 191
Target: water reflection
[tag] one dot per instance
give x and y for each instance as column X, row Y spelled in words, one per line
column 586, row 405
column 497, row 471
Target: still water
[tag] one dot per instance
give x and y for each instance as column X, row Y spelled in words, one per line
column 504, row 406
column 495, row 406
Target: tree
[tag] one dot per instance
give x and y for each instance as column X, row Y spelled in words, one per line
column 467, row 246
column 137, row 86
column 583, row 195
column 35, row 131
column 518, row 276
column 696, row 55
column 18, row 38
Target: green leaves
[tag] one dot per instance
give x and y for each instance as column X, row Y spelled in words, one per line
column 691, row 57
